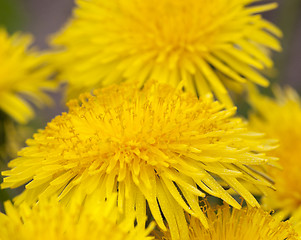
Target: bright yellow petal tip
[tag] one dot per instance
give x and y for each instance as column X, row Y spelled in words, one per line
column 23, row 76
column 200, row 42
column 158, row 145
column 233, row 224
column 50, row 220
column 280, row 118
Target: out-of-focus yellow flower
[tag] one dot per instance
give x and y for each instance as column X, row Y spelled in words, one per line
column 281, row 118
column 233, row 224
column 23, row 75
column 201, row 42
column 158, row 145
column 50, row 220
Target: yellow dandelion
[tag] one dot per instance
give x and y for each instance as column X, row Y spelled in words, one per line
column 50, row 220
column 23, row 75
column 280, row 118
column 157, row 145
column 244, row 224
column 204, row 43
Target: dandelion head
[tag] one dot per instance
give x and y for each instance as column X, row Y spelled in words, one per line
column 158, row 146
column 280, row 118
column 205, row 43
column 51, row 220
column 23, row 75
column 233, row 224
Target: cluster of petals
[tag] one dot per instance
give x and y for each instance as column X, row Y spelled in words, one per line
column 210, row 45
column 158, row 146
column 24, row 75
column 279, row 118
column 144, row 139
column 49, row 220
column 226, row 223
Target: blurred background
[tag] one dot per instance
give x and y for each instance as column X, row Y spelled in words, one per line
column 44, row 17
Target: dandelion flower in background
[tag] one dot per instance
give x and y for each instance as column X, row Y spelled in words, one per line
column 50, row 220
column 204, row 43
column 281, row 118
column 23, row 75
column 244, row 224
column 159, row 146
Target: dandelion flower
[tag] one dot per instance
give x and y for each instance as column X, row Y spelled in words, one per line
column 280, row 118
column 204, row 43
column 244, row 224
column 23, row 75
column 50, row 220
column 157, row 145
